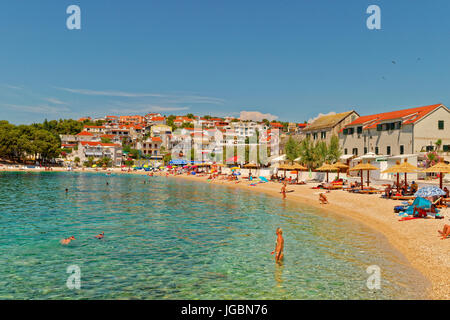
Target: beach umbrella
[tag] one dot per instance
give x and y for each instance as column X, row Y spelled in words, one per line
column 339, row 166
column 297, row 167
column 395, row 169
column 327, row 168
column 284, row 167
column 362, row 167
column 251, row 166
column 440, row 168
column 405, row 168
column 429, row 191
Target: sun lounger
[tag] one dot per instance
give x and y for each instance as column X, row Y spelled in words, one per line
column 402, row 197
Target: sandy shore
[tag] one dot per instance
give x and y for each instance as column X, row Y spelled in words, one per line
column 418, row 240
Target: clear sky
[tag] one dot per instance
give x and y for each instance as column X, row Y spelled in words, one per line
column 291, row 58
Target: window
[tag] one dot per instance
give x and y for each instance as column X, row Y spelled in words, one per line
column 376, row 150
column 429, row 148
column 441, row 124
column 345, row 132
column 446, row 148
column 402, row 149
column 379, row 127
column 323, row 135
column 308, row 135
column 359, row 130
column 398, row 125
column 392, row 125
column 345, row 150
column 388, row 150
column 315, row 136
column 365, row 150
column 355, row 151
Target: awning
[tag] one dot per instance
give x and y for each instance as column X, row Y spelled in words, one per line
column 278, row 158
column 346, row 156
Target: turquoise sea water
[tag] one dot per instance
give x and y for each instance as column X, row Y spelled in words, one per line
column 172, row 239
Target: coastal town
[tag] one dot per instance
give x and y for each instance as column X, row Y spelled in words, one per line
column 421, row 135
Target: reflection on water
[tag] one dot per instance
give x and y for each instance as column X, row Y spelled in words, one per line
column 171, row 239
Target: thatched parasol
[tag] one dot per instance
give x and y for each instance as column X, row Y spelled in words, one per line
column 405, row 168
column 284, row 167
column 297, row 167
column 364, row 166
column 440, row 168
column 339, row 166
column 250, row 166
column 327, row 167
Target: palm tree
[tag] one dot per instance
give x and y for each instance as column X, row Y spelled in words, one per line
column 438, row 144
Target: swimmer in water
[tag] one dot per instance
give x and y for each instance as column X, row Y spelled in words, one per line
column 67, row 190
column 100, row 236
column 67, row 240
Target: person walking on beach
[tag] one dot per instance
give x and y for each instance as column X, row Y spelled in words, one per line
column 279, row 247
column 283, row 190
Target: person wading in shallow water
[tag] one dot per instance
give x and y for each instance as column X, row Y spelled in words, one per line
column 283, row 190
column 279, row 247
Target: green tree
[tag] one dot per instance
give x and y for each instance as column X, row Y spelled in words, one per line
column 292, row 149
column 438, row 144
column 334, row 150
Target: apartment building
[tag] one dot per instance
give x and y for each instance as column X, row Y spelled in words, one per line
column 324, row 127
column 407, row 131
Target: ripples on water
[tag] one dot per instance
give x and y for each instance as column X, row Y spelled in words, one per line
column 171, row 239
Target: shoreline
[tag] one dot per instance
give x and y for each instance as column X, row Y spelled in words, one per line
column 417, row 240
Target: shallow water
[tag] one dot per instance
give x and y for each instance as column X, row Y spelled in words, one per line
column 172, row 239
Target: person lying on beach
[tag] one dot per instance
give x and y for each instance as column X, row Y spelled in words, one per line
column 279, row 246
column 67, row 240
column 323, row 198
column 100, row 236
column 445, row 232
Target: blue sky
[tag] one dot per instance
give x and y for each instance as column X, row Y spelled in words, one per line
column 292, row 59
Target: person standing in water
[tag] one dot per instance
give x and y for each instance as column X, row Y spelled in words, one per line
column 283, row 190
column 279, row 247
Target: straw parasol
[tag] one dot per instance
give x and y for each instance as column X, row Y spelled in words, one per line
column 405, row 168
column 284, row 167
column 339, row 165
column 327, row 167
column 297, row 167
column 440, row 168
column 250, row 166
column 361, row 167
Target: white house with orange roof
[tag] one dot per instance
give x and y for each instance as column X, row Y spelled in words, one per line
column 407, row 131
column 98, row 151
column 95, row 129
column 152, row 147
